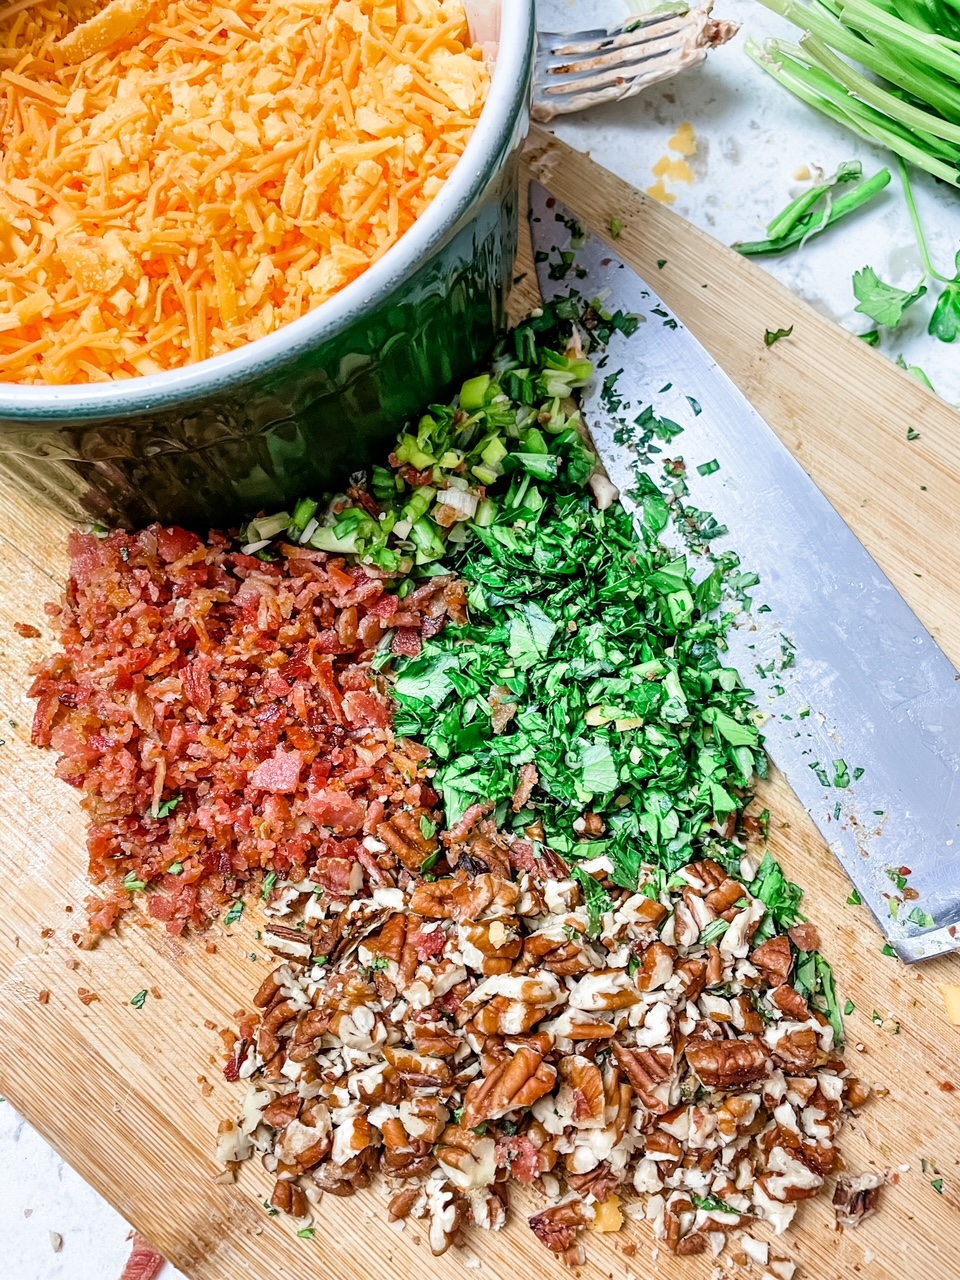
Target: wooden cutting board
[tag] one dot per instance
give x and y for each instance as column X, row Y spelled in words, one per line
column 132, row 1098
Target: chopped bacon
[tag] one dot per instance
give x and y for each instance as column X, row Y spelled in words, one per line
column 280, row 773
column 406, row 642
column 144, row 1263
column 428, row 945
column 221, row 713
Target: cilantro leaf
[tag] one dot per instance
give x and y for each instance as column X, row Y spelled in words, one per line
column 883, row 302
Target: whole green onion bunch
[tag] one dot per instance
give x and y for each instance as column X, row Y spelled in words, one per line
column 910, row 103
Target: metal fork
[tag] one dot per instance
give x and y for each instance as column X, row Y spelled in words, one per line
column 580, row 69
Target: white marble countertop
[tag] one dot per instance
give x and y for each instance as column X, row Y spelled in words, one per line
column 752, row 139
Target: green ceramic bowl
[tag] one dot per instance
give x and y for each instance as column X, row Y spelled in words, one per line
column 294, row 412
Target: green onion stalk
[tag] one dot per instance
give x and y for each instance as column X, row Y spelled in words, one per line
column 911, row 104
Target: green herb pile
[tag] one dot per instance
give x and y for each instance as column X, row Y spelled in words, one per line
column 592, row 651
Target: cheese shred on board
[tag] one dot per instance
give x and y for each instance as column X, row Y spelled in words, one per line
column 180, row 178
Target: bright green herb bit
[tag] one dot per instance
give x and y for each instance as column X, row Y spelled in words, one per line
column 139, row 999
column 774, row 335
column 306, row 1233
column 235, row 912
column 883, row 302
column 848, row 1008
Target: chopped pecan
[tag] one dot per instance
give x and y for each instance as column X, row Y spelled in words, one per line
column 518, row 1082
column 289, row 1198
column 774, row 958
column 280, row 1112
column 656, row 967
column 269, row 989
column 557, row 1227
column 403, row 834
column 465, row 899
column 565, row 958
column 855, row 1093
column 649, row 1072
column 600, row 1182
column 805, row 937
column 434, row 1040
column 445, row 1212
column 467, row 1158
column 724, row 896
column 528, row 780
column 581, row 1100
column 855, row 1199
column 482, row 854
column 401, row 1204
column 791, row 1002
column 274, row 1021
column 726, row 1064
column 797, row 1051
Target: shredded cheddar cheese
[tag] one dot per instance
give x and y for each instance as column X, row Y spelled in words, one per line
column 180, row 178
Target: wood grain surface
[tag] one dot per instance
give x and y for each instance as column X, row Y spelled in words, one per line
column 132, row 1097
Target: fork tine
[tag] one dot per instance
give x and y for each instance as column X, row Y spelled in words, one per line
column 665, row 36
column 621, row 83
column 602, row 66
column 571, row 44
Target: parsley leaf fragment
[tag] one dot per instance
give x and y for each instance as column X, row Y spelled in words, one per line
column 883, row 302
column 771, row 336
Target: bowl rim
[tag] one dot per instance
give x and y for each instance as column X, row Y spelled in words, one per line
column 506, row 103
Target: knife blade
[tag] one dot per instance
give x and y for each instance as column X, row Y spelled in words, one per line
column 861, row 706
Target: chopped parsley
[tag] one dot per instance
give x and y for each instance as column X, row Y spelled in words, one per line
column 937, row 1184
column 140, row 999
column 235, row 912
column 165, row 809
column 771, row 336
column 269, row 880
column 133, row 884
column 855, row 900
column 306, row 1233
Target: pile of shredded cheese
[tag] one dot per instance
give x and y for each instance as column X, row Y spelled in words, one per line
column 181, row 177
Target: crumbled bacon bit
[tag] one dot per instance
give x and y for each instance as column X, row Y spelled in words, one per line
column 144, row 1263
column 43, row 997
column 86, row 996
column 228, row 697
column 27, row 630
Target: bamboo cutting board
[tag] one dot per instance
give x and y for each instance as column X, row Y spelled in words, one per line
column 132, row 1097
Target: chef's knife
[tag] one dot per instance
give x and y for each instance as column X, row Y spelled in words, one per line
column 862, row 706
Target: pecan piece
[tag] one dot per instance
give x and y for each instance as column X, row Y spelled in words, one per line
column 517, row 1082
column 581, row 1100
column 650, row 1072
column 797, row 1051
column 600, row 1182
column 774, row 959
column 726, row 1064
column 856, row 1199
column 289, row 1198
column 528, row 780
column 468, row 1159
column 805, row 937
column 403, row 835
column 465, row 899
column 558, row 1226
column 791, row 1002
column 656, row 967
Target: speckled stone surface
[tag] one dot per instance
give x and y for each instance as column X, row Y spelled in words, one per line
column 752, row 140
